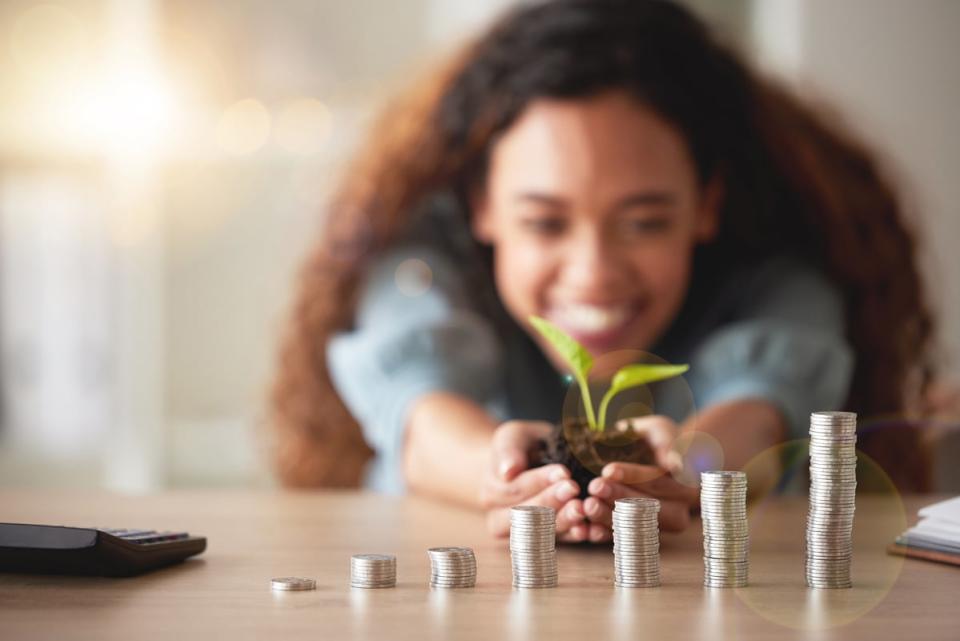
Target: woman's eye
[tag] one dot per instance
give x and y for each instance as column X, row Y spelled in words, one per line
column 646, row 225
column 545, row 226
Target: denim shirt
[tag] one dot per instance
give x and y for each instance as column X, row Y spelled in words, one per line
column 773, row 330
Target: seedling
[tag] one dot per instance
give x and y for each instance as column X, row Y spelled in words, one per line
column 580, row 362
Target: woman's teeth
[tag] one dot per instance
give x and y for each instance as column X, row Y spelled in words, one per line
column 591, row 319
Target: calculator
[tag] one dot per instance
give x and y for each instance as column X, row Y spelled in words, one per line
column 57, row 549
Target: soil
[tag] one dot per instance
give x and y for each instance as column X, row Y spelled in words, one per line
column 585, row 452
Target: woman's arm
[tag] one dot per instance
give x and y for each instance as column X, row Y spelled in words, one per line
column 744, row 428
column 454, row 450
column 447, row 447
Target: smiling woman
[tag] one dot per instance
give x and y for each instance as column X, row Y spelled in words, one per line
column 607, row 165
column 599, row 237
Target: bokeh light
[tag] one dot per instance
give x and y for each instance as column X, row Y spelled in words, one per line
column 244, row 127
column 699, row 452
column 129, row 110
column 413, row 277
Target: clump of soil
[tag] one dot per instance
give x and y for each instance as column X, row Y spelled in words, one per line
column 585, row 452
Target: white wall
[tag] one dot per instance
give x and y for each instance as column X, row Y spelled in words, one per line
column 891, row 65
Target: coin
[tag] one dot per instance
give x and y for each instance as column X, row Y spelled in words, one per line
column 832, row 499
column 726, row 543
column 292, row 583
column 373, row 570
column 533, row 555
column 452, row 567
column 636, row 542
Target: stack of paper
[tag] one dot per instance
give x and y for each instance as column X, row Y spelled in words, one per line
column 936, row 536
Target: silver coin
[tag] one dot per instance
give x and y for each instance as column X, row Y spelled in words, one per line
column 373, row 580
column 454, row 572
column 466, row 582
column 622, row 560
column 637, row 574
column 374, row 558
column 638, row 502
column 292, row 583
column 841, row 568
column 723, row 476
column 723, row 504
column 373, row 570
column 634, row 571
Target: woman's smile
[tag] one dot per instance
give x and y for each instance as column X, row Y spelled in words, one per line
column 600, row 327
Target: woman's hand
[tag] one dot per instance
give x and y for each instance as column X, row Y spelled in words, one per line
column 508, row 482
column 623, row 480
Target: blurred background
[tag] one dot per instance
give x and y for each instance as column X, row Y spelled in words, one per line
column 163, row 165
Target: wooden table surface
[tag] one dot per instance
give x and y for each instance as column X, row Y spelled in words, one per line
column 225, row 593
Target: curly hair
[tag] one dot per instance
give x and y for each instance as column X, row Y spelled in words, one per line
column 795, row 181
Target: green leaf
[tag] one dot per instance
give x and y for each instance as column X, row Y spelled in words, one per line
column 634, row 376
column 577, row 357
column 573, row 352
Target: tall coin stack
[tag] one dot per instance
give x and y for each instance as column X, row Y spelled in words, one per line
column 533, row 550
column 833, row 487
column 636, row 543
column 726, row 542
column 373, row 570
column 452, row 567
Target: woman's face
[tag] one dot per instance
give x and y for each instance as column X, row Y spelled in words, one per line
column 593, row 210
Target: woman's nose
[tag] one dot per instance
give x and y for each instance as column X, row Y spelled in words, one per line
column 591, row 264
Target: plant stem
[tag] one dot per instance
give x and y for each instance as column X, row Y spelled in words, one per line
column 604, row 402
column 587, row 402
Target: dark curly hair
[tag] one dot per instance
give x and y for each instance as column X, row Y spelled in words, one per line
column 795, row 181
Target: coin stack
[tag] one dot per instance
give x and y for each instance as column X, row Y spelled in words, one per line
column 292, row 584
column 726, row 543
column 452, row 567
column 636, row 543
column 533, row 550
column 373, row 571
column 833, row 487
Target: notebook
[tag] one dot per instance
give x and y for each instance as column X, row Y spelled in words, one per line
column 936, row 537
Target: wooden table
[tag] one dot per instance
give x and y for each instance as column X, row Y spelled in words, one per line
column 225, row 593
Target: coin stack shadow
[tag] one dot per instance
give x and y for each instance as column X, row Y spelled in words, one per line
column 452, row 567
column 833, row 488
column 533, row 551
column 636, row 543
column 373, row 571
column 726, row 540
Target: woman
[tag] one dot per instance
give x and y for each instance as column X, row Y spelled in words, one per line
column 608, row 165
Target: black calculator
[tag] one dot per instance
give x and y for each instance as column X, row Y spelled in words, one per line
column 56, row 549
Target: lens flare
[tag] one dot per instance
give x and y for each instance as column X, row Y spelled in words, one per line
column 778, row 480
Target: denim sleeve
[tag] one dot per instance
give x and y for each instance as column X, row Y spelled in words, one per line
column 414, row 333
column 787, row 346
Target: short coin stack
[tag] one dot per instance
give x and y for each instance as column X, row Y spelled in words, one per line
column 726, row 543
column 833, row 487
column 452, row 567
column 636, row 543
column 373, row 571
column 533, row 550
column 293, row 584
